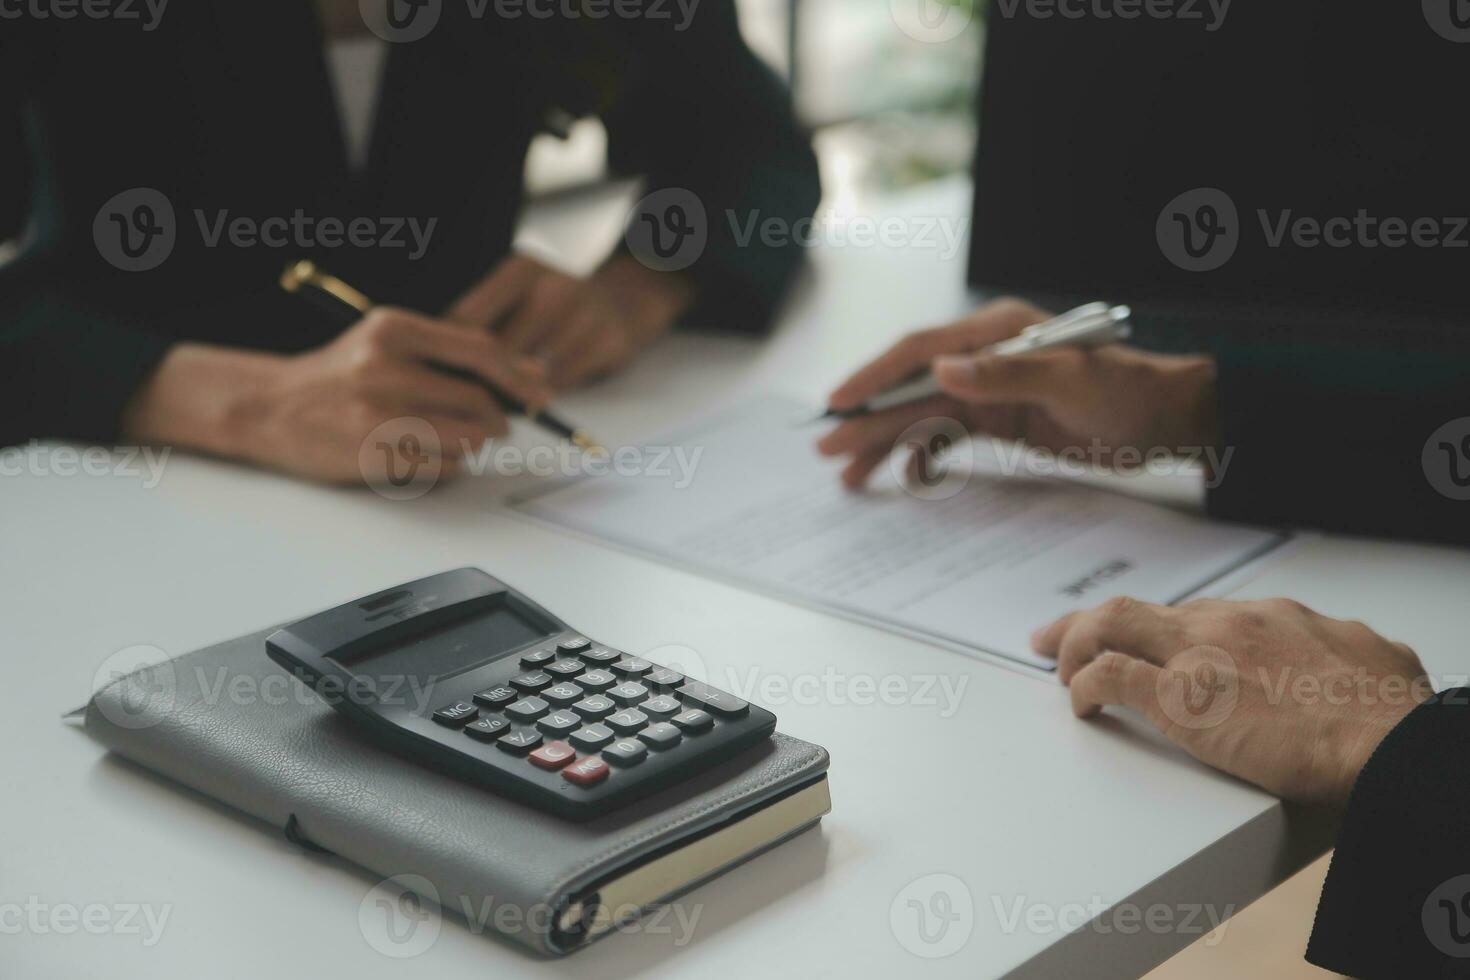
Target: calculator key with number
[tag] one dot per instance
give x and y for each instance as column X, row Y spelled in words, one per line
column 517, row 701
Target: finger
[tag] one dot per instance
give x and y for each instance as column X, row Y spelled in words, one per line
column 430, row 457
column 459, row 438
column 856, row 473
column 1116, row 678
column 608, row 350
column 408, row 334
column 1047, row 378
column 914, row 353
column 868, row 432
column 493, row 296
column 1047, row 640
column 543, row 315
column 1122, row 624
column 418, row 389
column 578, row 333
column 452, row 436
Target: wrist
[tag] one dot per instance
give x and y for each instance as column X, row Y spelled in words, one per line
column 1368, row 733
column 202, row 397
column 651, row 297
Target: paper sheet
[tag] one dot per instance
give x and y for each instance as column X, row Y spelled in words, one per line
column 976, row 570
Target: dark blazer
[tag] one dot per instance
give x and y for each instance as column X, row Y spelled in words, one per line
column 226, row 109
column 1397, row 898
column 1336, row 365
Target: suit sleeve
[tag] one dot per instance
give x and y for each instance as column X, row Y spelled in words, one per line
column 704, row 115
column 65, row 372
column 1343, row 436
column 1396, row 902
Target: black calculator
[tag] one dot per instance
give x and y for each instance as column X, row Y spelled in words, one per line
column 464, row 673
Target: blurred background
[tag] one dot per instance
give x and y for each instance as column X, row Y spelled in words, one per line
column 887, row 87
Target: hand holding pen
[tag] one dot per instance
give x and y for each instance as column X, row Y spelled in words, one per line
column 336, row 298
column 1012, row 371
column 330, row 413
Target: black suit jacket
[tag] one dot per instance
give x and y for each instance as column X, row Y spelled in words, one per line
column 1336, row 365
column 226, row 109
column 1397, row 898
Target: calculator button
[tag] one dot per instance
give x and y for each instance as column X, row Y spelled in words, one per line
column 496, row 697
column 456, row 714
column 575, row 645
column 661, row 707
column 553, row 755
column 627, row 721
column 520, row 742
column 632, row 666
column 592, row 738
column 600, row 655
column 562, row 695
column 597, row 680
column 534, row 681
column 694, row 721
column 660, row 736
column 527, row 709
column 566, row 668
column 487, row 729
column 560, row 723
column 663, row 678
column 628, row 693
column 595, row 707
column 625, row 752
column 715, row 702
column 537, row 658
column 586, row 772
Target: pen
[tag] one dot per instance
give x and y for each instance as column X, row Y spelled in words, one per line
column 330, row 292
column 1093, row 325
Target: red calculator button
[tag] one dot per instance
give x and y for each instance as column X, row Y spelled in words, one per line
column 553, row 755
column 586, row 772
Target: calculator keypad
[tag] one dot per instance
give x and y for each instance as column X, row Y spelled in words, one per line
column 560, row 723
column 595, row 707
column 593, row 737
column 627, row 722
column 563, row 694
column 586, row 772
column 487, row 729
column 534, row 681
column 628, row 693
column 586, row 711
column 526, row 709
column 553, row 755
column 625, row 752
column 455, row 715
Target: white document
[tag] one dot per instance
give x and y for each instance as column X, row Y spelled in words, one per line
column 976, row 571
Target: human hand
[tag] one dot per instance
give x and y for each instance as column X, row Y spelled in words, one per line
column 579, row 328
column 1117, row 397
column 309, row 414
column 1269, row 691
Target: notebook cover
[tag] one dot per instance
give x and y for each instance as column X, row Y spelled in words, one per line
column 229, row 723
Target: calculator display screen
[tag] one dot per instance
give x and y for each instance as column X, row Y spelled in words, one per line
column 449, row 649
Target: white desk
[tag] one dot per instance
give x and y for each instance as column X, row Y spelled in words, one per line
column 1010, row 795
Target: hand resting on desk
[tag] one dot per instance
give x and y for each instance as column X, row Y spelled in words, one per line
column 580, row 329
column 1268, row 691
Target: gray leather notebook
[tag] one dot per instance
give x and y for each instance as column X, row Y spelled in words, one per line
column 231, row 724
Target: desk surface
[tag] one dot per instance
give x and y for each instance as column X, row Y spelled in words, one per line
column 1041, row 822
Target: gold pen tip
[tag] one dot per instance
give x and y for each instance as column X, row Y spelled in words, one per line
column 584, row 442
